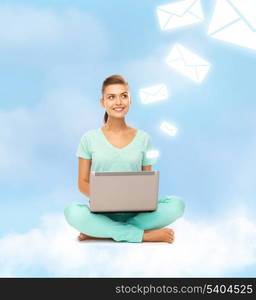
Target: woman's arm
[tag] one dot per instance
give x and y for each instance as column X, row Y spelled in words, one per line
column 84, row 168
column 84, row 188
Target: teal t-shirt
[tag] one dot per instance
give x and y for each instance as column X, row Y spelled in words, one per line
column 108, row 158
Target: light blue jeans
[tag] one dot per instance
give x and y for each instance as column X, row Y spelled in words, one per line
column 123, row 227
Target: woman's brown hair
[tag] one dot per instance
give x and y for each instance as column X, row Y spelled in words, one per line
column 113, row 79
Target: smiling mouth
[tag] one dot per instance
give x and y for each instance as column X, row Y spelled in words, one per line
column 119, row 110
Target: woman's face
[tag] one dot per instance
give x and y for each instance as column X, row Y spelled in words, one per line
column 116, row 95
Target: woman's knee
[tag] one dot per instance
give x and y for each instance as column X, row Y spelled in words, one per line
column 175, row 205
column 178, row 205
column 74, row 210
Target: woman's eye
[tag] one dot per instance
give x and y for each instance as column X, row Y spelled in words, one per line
column 112, row 97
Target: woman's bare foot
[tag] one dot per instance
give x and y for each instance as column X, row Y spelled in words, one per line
column 83, row 236
column 159, row 235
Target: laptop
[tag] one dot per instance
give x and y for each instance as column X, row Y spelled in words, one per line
column 124, row 191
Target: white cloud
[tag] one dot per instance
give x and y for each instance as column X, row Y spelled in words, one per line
column 244, row 179
column 36, row 140
column 200, row 249
column 46, row 37
column 46, row 27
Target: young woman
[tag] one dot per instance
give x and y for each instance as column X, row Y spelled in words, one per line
column 117, row 147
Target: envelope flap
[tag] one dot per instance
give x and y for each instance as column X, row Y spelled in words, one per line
column 178, row 8
column 196, row 10
column 246, row 9
column 190, row 59
column 154, row 90
column 224, row 14
column 174, row 54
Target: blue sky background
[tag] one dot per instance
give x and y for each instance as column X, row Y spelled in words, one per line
column 54, row 56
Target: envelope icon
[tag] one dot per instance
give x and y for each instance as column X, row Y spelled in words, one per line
column 180, row 13
column 169, row 128
column 188, row 63
column 153, row 93
column 152, row 154
column 234, row 21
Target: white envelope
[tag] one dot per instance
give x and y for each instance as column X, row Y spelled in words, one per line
column 234, row 21
column 152, row 154
column 169, row 128
column 188, row 63
column 180, row 13
column 153, row 93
